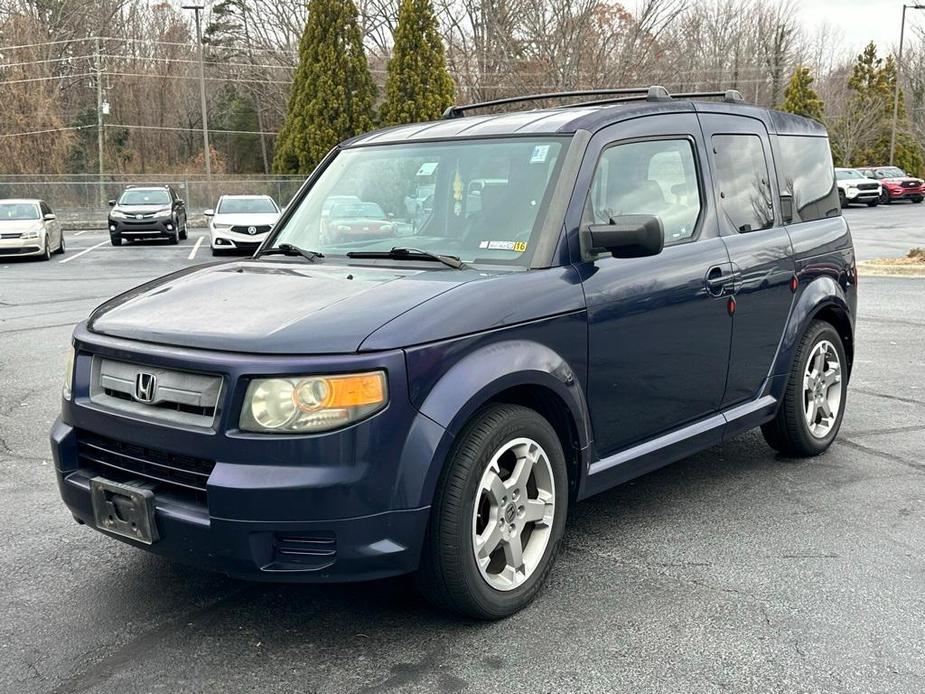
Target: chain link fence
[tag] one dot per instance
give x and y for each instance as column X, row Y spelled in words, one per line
column 81, row 202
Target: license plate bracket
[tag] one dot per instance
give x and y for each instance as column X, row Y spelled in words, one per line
column 124, row 508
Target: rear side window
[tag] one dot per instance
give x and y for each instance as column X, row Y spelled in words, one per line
column 806, row 173
column 653, row 177
column 743, row 182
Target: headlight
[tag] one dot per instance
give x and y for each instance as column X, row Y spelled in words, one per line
column 308, row 404
column 163, row 214
column 31, row 234
column 116, row 214
column 216, row 225
column 69, row 373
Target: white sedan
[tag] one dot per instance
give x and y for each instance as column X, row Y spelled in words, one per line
column 29, row 228
column 241, row 222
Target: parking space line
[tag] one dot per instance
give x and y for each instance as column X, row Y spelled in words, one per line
column 86, row 231
column 86, row 250
column 192, row 253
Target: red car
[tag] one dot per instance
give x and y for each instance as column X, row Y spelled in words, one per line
column 896, row 184
column 359, row 221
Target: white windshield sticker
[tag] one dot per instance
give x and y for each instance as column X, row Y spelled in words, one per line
column 427, row 168
column 540, row 152
column 519, row 246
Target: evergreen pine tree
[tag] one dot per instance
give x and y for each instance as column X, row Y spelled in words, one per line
column 418, row 86
column 332, row 91
column 800, row 98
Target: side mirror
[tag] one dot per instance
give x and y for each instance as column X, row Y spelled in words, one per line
column 180, row 202
column 629, row 236
column 786, row 208
column 209, row 213
column 112, row 203
column 50, row 217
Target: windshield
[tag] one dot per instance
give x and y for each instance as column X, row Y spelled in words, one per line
column 890, row 172
column 18, row 211
column 246, row 206
column 145, row 197
column 479, row 200
column 842, row 174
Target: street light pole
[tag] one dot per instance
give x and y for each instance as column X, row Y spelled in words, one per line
column 899, row 69
column 198, row 6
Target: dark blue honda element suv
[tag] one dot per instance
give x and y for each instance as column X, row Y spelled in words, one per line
column 460, row 328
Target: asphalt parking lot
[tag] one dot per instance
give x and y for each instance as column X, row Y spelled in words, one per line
column 732, row 571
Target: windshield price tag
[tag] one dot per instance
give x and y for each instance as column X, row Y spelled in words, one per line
column 519, row 246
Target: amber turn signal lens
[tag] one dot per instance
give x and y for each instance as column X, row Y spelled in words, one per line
column 358, row 390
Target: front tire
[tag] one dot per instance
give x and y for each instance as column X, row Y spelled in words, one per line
column 885, row 197
column 60, row 250
column 842, row 200
column 874, row 203
column 498, row 515
column 115, row 240
column 917, row 200
column 813, row 405
column 46, row 253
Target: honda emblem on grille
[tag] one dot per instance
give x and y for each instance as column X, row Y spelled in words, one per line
column 145, row 386
column 251, row 230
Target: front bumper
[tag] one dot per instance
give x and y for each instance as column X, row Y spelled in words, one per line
column 223, row 239
column 353, row 497
column 862, row 195
column 906, row 193
column 141, row 229
column 342, row 549
column 21, row 247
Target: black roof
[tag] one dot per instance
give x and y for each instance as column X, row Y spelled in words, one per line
column 566, row 120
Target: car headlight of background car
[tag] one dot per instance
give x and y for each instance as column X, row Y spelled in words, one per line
column 163, row 214
column 217, row 225
column 117, row 214
column 69, row 373
column 309, row 404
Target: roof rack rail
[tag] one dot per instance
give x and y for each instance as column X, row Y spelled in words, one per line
column 457, row 111
column 653, row 93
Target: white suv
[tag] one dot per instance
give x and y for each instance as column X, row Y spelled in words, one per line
column 241, row 222
column 853, row 186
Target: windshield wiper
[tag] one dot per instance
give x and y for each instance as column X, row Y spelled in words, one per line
column 402, row 253
column 289, row 249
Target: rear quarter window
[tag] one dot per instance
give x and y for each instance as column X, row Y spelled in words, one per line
column 807, row 173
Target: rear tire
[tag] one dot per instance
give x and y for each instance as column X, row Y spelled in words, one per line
column 504, row 489
column 819, row 368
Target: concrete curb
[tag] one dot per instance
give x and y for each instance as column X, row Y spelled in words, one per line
column 868, row 269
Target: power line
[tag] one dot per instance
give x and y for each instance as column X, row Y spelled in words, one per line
column 48, row 131
column 189, row 129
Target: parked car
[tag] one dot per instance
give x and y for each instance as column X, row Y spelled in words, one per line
column 241, row 222
column 854, row 187
column 358, row 221
column 896, row 184
column 29, row 228
column 656, row 276
column 147, row 213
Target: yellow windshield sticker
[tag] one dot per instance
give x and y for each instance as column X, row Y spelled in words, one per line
column 518, row 246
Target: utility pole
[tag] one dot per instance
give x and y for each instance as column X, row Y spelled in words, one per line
column 198, row 6
column 98, row 65
column 899, row 71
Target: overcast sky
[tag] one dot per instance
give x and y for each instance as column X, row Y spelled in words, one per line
column 861, row 21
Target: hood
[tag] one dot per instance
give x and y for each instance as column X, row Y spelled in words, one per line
column 246, row 219
column 271, row 307
column 901, row 179
column 10, row 225
column 141, row 209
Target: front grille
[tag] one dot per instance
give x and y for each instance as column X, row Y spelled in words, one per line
column 11, row 235
column 244, row 229
column 911, row 184
column 121, row 461
column 177, row 397
column 868, row 186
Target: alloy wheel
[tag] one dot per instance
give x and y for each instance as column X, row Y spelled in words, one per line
column 822, row 389
column 513, row 516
